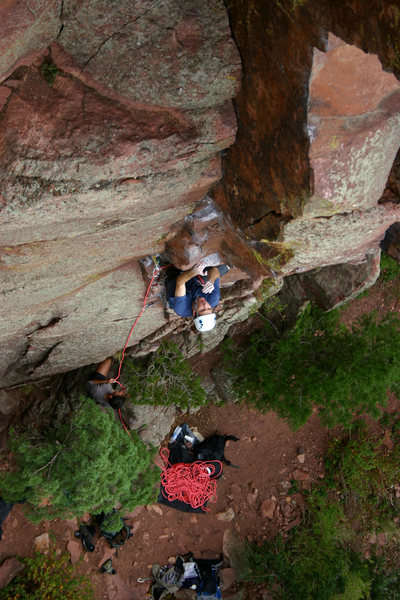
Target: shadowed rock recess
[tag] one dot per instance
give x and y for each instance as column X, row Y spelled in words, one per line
column 257, row 133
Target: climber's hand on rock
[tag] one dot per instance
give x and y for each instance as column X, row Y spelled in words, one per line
column 208, row 287
column 198, row 268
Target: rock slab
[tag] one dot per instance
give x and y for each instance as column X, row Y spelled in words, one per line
column 8, row 570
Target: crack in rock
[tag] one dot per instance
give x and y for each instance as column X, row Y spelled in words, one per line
column 53, row 321
column 118, row 31
column 43, row 357
column 61, row 19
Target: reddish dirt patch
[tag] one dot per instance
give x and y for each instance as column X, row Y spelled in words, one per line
column 267, row 457
column 383, row 297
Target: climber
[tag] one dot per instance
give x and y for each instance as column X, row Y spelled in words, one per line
column 191, row 295
column 100, row 387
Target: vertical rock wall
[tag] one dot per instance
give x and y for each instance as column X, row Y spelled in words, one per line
column 318, row 129
column 113, row 118
column 111, row 125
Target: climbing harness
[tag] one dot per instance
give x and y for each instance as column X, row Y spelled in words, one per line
column 191, row 483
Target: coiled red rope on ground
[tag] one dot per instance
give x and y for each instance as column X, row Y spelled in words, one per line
column 191, row 483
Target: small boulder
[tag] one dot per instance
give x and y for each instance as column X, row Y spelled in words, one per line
column 72, row 524
column 8, row 570
column 227, row 578
column 228, row 515
column 74, row 548
column 267, row 509
column 157, row 509
column 286, row 485
column 42, row 543
column 298, row 475
column 252, row 498
column 387, row 440
column 298, row 500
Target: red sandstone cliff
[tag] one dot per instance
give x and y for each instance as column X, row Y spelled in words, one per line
column 100, row 167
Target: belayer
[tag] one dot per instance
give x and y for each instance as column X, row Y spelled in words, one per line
column 100, row 386
column 194, row 293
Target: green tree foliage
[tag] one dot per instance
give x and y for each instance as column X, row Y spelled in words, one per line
column 364, row 474
column 166, row 378
column 86, row 465
column 322, row 558
column 321, row 363
column 313, row 564
column 112, row 523
column 48, row 578
column 49, row 72
column 390, row 268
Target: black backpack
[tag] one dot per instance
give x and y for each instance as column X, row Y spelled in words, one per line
column 213, row 448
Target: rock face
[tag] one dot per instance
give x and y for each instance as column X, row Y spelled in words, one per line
column 113, row 117
column 95, row 170
column 27, row 28
column 354, row 128
column 320, row 119
column 8, row 570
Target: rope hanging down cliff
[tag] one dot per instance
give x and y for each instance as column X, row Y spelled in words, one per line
column 156, row 271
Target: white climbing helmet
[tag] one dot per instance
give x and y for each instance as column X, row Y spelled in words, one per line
column 205, row 322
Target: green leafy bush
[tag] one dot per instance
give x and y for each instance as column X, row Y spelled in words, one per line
column 390, row 268
column 313, row 564
column 48, row 578
column 49, row 72
column 166, row 378
column 112, row 523
column 86, row 465
column 385, row 578
column 321, row 363
column 364, row 474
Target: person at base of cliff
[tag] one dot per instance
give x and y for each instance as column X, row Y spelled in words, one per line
column 100, row 386
column 194, row 293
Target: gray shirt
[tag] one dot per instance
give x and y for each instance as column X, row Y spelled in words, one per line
column 98, row 392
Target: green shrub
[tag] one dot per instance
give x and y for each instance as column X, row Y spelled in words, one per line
column 166, row 378
column 313, row 564
column 322, row 558
column 112, row 522
column 86, row 465
column 363, row 472
column 385, row 578
column 390, row 268
column 321, row 363
column 49, row 72
column 48, row 578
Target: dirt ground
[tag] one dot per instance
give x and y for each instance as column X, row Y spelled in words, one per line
column 253, row 501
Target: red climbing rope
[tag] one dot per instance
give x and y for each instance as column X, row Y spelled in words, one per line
column 123, row 423
column 191, row 483
column 156, row 272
